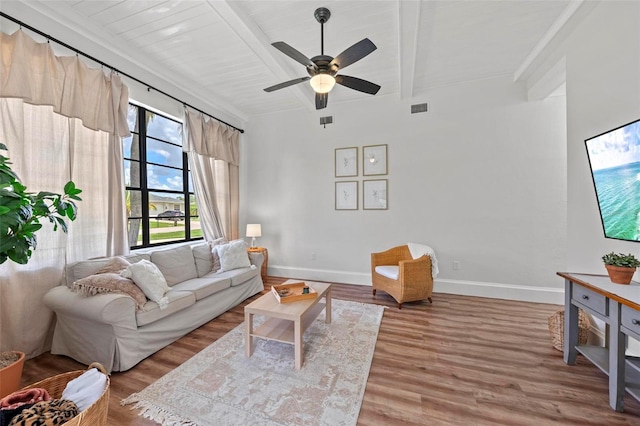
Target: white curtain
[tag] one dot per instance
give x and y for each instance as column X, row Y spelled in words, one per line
column 214, row 154
column 39, row 93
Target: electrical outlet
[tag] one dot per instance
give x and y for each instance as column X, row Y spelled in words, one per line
column 313, row 255
column 456, row 265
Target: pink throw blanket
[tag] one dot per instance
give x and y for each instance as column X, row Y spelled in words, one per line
column 22, row 397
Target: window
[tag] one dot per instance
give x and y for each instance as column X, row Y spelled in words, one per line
column 161, row 206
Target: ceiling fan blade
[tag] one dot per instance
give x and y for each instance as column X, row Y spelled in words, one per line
column 321, row 100
column 357, row 84
column 286, row 84
column 353, row 53
column 293, row 54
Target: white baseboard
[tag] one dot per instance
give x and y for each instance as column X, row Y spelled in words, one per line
column 325, row 275
column 467, row 288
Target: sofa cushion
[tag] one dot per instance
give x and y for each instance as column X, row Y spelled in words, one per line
column 233, row 255
column 77, row 270
column 205, row 286
column 237, row 276
column 203, row 258
column 148, row 277
column 115, row 266
column 176, row 264
column 151, row 312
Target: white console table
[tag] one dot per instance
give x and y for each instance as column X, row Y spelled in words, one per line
column 618, row 305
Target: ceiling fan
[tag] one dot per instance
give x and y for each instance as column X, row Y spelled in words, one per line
column 323, row 69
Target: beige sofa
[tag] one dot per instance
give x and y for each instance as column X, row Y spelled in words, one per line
column 108, row 329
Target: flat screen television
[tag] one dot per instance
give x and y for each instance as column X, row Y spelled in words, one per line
column 614, row 159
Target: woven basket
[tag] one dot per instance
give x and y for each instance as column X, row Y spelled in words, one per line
column 556, row 328
column 95, row 414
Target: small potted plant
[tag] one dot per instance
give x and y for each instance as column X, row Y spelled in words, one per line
column 620, row 267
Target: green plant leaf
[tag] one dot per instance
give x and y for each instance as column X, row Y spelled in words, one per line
column 21, row 212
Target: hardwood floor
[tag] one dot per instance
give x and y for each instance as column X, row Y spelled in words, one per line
column 460, row 361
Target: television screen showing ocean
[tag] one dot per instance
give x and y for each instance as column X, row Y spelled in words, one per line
column 618, row 192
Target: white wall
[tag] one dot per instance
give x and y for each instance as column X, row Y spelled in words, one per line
column 481, row 178
column 603, row 92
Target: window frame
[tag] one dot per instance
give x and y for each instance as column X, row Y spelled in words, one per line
column 140, row 131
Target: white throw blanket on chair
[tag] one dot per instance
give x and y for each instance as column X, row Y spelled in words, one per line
column 419, row 250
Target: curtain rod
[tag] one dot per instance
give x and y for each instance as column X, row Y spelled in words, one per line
column 149, row 87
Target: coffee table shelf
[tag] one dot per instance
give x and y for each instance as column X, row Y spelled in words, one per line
column 282, row 330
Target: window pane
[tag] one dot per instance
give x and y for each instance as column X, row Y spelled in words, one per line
column 163, row 128
column 193, row 207
column 132, row 117
column 196, row 230
column 163, row 231
column 190, row 182
column 164, row 153
column 135, row 232
column 134, row 203
column 131, row 147
column 132, row 173
column 162, row 206
column 160, row 177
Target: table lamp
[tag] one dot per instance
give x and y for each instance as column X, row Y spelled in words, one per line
column 254, row 230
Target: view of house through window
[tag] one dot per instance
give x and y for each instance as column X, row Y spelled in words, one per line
column 161, row 206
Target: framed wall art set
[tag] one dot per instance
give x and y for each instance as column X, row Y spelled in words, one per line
column 374, row 191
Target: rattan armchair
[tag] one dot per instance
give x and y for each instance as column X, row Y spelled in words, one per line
column 414, row 280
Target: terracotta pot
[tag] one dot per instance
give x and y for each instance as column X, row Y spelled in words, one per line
column 10, row 376
column 620, row 274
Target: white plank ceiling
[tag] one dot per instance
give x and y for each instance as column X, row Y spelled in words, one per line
column 220, row 50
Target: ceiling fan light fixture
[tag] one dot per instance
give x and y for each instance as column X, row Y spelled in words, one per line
column 322, row 83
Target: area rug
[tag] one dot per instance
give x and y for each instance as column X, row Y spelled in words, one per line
column 221, row 386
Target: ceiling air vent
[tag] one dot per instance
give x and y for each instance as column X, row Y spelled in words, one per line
column 326, row 120
column 418, row 108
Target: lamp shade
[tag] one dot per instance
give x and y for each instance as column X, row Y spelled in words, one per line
column 254, row 230
column 322, row 83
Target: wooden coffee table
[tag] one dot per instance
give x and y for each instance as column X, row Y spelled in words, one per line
column 286, row 322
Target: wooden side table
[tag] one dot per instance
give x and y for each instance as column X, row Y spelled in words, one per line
column 265, row 264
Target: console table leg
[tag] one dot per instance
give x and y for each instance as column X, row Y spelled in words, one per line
column 570, row 326
column 616, row 359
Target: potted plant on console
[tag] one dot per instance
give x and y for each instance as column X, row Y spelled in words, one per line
column 620, row 267
column 20, row 214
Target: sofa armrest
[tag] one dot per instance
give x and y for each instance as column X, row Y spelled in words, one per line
column 109, row 308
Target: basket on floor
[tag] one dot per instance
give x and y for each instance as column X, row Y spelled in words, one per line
column 95, row 414
column 556, row 328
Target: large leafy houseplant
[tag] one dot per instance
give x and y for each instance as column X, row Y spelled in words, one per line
column 20, row 214
column 21, row 211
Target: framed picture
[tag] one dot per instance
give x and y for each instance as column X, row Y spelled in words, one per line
column 374, row 160
column 375, row 194
column 347, row 195
column 347, row 161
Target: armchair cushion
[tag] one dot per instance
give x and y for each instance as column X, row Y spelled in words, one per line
column 388, row 271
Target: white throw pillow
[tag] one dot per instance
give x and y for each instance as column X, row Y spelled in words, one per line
column 148, row 277
column 233, row 255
